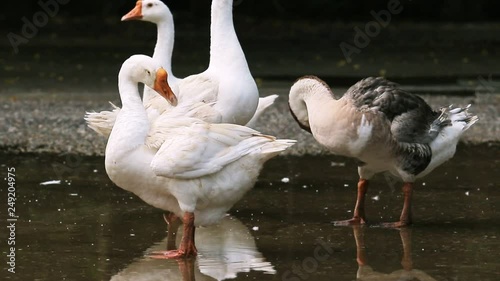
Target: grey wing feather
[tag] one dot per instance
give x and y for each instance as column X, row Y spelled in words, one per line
column 411, row 118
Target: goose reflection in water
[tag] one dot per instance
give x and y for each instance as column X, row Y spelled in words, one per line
column 224, row 250
column 408, row 273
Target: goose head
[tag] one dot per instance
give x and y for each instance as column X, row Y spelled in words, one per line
column 304, row 89
column 153, row 11
column 144, row 69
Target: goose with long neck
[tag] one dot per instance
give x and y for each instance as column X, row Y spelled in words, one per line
column 155, row 11
column 132, row 125
column 183, row 165
column 227, row 82
column 384, row 128
column 225, row 48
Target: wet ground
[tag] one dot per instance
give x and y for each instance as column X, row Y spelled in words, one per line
column 85, row 228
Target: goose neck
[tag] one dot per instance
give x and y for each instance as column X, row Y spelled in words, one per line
column 165, row 44
column 225, row 49
column 131, row 126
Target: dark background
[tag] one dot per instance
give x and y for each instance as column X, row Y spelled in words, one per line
column 451, row 42
column 344, row 10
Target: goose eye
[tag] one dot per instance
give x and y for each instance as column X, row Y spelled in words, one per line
column 148, row 72
column 150, row 5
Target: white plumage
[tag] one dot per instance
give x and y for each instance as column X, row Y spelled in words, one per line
column 182, row 165
column 227, row 83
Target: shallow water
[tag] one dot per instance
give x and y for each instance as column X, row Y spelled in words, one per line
column 87, row 229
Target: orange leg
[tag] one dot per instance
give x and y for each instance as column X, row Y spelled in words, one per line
column 359, row 210
column 406, row 215
column 173, row 223
column 187, row 247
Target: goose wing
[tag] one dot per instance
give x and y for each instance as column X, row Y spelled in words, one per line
column 409, row 116
column 190, row 148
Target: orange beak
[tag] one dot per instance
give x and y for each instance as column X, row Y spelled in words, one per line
column 162, row 87
column 135, row 14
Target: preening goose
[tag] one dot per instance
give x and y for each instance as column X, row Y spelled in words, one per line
column 382, row 126
column 227, row 81
column 186, row 166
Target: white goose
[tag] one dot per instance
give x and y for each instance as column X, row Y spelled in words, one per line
column 155, row 11
column 189, row 167
column 384, row 127
column 227, row 81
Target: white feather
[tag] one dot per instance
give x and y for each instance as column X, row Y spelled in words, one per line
column 198, row 149
column 227, row 81
column 182, row 164
column 443, row 147
column 102, row 122
column 364, row 132
column 264, row 103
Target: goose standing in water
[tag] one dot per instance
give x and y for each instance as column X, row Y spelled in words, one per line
column 191, row 168
column 382, row 126
column 227, row 82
